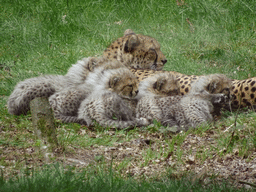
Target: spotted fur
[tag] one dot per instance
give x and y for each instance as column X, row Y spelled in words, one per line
column 25, row 91
column 65, row 103
column 243, row 92
column 136, row 51
column 161, row 84
column 132, row 50
column 108, row 99
column 186, row 111
column 45, row 86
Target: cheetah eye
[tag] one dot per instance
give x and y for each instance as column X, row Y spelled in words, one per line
column 225, row 90
column 152, row 51
column 152, row 55
column 129, row 85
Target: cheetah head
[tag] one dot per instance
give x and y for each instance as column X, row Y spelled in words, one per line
column 213, row 84
column 219, row 83
column 136, row 51
column 166, row 84
column 124, row 83
column 161, row 84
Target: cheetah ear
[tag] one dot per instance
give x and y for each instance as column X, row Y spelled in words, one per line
column 211, row 87
column 128, row 31
column 92, row 63
column 158, row 84
column 113, row 81
column 131, row 43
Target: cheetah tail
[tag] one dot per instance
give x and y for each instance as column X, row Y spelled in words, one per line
column 25, row 91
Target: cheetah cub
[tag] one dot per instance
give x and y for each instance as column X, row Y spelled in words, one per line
column 65, row 103
column 79, row 71
column 106, row 90
column 190, row 110
column 25, row 91
column 45, row 86
column 161, row 84
column 110, row 88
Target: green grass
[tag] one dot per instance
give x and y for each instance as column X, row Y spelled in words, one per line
column 55, row 178
column 47, row 37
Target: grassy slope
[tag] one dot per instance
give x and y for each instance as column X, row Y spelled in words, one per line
column 46, row 37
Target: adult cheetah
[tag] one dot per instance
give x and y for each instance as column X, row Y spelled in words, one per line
column 132, row 50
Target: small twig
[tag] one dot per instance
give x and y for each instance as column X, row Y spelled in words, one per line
column 228, row 128
column 233, row 133
column 244, row 182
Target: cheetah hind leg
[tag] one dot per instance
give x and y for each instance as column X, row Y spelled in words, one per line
column 169, row 122
column 109, row 122
column 103, row 112
column 127, row 115
column 150, row 112
column 65, row 105
column 125, row 118
column 197, row 118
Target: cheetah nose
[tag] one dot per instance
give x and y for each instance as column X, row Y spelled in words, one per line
column 137, row 92
column 164, row 61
